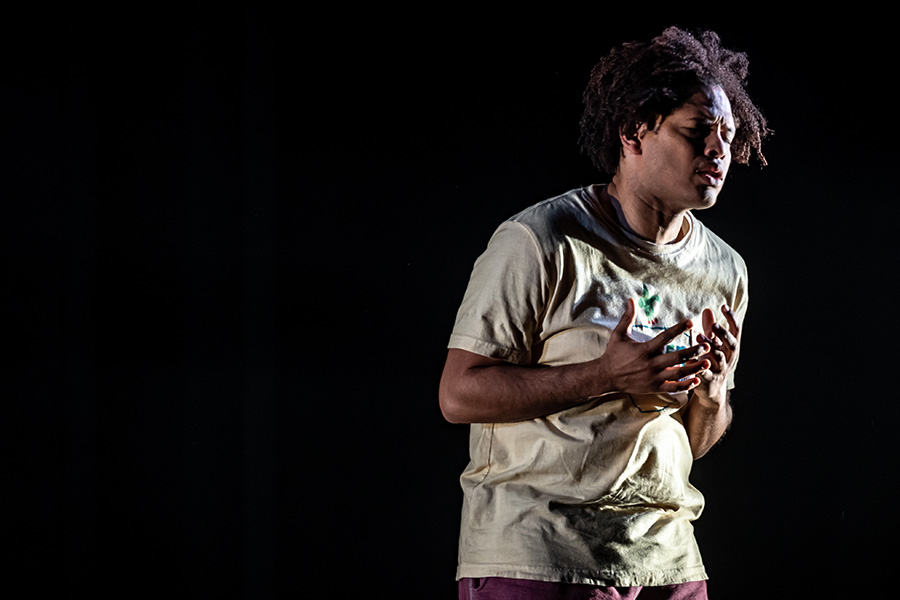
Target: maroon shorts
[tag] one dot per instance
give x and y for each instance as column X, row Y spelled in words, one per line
column 501, row 588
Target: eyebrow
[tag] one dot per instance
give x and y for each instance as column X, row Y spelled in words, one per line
column 705, row 120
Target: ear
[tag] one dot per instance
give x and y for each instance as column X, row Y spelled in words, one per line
column 631, row 137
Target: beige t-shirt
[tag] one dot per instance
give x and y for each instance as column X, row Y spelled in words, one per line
column 598, row 493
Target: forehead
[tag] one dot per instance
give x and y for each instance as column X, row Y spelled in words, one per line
column 709, row 103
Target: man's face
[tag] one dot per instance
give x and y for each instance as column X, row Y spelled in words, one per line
column 684, row 160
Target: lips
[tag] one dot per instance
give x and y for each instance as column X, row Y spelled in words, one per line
column 711, row 173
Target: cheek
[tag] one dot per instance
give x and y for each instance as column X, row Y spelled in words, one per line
column 672, row 158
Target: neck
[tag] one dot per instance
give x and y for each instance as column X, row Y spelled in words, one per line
column 645, row 217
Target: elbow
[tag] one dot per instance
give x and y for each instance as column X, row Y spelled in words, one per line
column 698, row 453
column 450, row 414
column 452, row 408
column 460, row 393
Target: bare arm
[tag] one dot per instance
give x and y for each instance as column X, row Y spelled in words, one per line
column 708, row 415
column 706, row 422
column 478, row 389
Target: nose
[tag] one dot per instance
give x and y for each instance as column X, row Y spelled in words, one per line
column 716, row 145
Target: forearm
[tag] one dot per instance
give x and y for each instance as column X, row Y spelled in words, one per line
column 480, row 389
column 706, row 419
column 493, row 391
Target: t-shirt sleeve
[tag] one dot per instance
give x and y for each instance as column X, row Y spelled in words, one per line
column 505, row 297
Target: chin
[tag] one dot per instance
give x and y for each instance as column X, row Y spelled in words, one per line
column 707, row 198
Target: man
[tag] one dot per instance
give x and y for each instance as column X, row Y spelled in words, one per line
column 595, row 348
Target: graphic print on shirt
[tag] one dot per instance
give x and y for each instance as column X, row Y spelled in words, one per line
column 648, row 304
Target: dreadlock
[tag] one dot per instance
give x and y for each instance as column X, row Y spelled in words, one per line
column 640, row 82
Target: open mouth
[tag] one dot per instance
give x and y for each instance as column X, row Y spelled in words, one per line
column 711, row 175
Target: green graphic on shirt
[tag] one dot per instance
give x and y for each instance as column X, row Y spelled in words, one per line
column 648, row 302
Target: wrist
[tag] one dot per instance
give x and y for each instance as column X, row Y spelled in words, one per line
column 713, row 397
column 597, row 377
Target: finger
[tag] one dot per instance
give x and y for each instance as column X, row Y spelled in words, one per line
column 662, row 339
column 717, row 359
column 733, row 324
column 683, row 385
column 626, row 322
column 708, row 319
column 681, row 356
column 717, row 354
column 689, row 369
column 723, row 334
column 713, row 341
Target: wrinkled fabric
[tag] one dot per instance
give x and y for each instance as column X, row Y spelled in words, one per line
column 600, row 493
column 499, row 588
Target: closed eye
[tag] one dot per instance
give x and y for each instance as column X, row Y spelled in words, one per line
column 703, row 131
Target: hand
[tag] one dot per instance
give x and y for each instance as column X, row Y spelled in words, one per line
column 643, row 367
column 725, row 345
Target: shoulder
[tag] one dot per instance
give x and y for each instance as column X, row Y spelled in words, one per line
column 561, row 207
column 719, row 249
column 558, row 217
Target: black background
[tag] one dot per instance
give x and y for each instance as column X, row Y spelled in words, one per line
column 235, row 238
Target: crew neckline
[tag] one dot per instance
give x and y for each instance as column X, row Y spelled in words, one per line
column 605, row 209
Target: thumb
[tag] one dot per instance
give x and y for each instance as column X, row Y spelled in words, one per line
column 627, row 320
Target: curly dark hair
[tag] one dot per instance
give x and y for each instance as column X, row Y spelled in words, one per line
column 640, row 82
